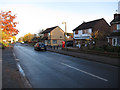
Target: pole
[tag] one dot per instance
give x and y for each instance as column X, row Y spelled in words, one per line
column 65, row 35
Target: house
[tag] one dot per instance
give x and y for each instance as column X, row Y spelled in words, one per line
column 83, row 32
column 114, row 37
column 53, row 36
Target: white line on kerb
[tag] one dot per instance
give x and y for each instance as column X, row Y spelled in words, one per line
column 84, row 72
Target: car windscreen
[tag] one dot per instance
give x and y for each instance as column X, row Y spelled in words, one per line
column 41, row 45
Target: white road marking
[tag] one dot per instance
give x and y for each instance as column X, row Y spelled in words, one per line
column 17, row 59
column 84, row 72
column 14, row 54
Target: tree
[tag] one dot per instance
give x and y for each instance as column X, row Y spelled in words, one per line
column 93, row 38
column 20, row 39
column 7, row 25
column 14, row 39
column 28, row 37
column 94, row 35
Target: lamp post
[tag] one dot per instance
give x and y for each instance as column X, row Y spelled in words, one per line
column 65, row 33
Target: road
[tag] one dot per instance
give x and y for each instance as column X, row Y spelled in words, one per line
column 46, row 69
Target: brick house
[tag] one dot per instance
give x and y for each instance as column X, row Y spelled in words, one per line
column 114, row 37
column 53, row 36
column 82, row 33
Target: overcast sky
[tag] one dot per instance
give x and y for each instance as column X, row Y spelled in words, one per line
column 34, row 15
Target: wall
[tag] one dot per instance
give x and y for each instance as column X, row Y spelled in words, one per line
column 113, row 27
column 57, row 34
column 103, row 28
column 46, row 35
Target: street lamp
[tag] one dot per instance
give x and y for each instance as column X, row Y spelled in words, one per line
column 65, row 33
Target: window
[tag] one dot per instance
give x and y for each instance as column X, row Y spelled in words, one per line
column 60, row 36
column 54, row 41
column 76, row 32
column 118, row 26
column 48, row 41
column 85, row 31
column 48, row 34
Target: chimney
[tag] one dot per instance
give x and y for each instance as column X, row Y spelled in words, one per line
column 119, row 7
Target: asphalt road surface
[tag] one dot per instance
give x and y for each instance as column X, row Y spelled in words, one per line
column 46, row 69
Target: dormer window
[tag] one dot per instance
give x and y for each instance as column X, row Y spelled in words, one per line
column 118, row 26
column 85, row 31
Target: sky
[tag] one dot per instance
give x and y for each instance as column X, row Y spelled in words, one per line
column 35, row 15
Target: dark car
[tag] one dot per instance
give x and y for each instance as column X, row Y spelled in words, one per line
column 40, row 46
column 69, row 43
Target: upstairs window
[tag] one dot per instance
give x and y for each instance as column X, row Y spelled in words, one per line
column 60, row 36
column 118, row 26
column 76, row 32
column 85, row 31
column 48, row 34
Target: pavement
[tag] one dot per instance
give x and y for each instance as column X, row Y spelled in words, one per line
column 91, row 57
column 11, row 77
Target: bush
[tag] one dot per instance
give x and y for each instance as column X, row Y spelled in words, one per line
column 98, row 49
column 117, row 49
column 4, row 45
column 106, row 48
column 112, row 48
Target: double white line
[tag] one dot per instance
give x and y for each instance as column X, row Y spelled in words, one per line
column 84, row 72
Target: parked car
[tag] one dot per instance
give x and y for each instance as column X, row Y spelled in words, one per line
column 40, row 46
column 69, row 43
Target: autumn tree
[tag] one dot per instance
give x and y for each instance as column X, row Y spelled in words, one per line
column 7, row 25
column 14, row 39
column 94, row 35
column 28, row 37
column 20, row 39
